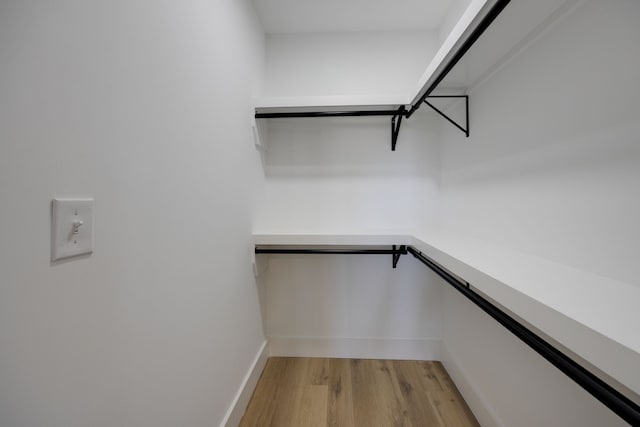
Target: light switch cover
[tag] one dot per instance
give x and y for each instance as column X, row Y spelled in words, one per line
column 71, row 228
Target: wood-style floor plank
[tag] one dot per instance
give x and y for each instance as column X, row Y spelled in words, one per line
column 319, row 371
column 377, row 400
column 313, row 392
column 449, row 403
column 415, row 390
column 340, row 406
column 311, row 409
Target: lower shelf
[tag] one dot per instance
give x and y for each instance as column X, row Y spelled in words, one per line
column 593, row 317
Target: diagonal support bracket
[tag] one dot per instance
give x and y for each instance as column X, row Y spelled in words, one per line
column 397, row 252
column 464, row 129
column 396, row 121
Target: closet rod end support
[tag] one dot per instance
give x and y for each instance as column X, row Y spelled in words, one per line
column 397, row 252
column 396, row 121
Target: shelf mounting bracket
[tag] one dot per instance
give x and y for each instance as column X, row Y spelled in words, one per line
column 464, row 129
column 396, row 121
column 397, row 252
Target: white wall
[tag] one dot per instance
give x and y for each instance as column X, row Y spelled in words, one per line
column 143, row 105
column 340, row 176
column 352, row 306
column 367, row 63
column 551, row 168
column 505, row 382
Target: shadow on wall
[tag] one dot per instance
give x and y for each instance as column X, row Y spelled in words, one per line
column 352, row 146
column 351, row 297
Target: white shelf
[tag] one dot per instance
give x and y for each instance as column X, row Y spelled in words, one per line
column 475, row 10
column 331, row 239
column 594, row 317
column 300, row 103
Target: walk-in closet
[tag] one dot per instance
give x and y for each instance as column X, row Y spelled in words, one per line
column 319, row 213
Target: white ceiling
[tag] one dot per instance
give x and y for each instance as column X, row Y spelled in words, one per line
column 320, row 16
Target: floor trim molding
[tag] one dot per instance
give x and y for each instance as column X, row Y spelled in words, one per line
column 241, row 400
column 355, row 348
column 483, row 412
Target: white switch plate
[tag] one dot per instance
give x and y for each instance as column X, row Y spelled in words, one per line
column 71, row 228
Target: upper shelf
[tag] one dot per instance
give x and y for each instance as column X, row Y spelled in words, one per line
column 457, row 66
column 474, row 21
column 329, row 103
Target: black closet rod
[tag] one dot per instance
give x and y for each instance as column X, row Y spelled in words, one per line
column 396, row 252
column 327, row 114
column 610, row 397
column 330, row 251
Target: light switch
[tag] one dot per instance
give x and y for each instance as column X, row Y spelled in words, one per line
column 71, row 228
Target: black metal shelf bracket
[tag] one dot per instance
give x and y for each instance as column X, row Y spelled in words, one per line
column 397, row 253
column 464, row 129
column 396, row 121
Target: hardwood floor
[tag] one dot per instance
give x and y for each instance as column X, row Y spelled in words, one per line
column 304, row 392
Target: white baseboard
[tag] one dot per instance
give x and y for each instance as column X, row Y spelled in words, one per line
column 357, row 348
column 240, row 402
column 483, row 412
